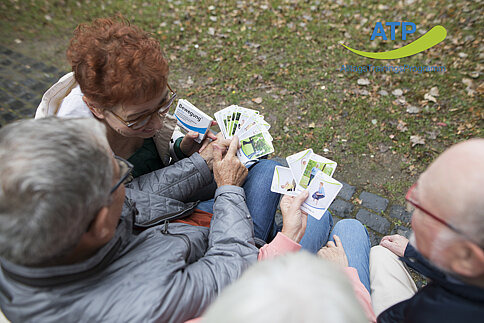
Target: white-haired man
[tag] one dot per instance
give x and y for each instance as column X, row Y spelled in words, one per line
column 447, row 245
column 76, row 245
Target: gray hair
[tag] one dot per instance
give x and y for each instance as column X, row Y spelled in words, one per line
column 299, row 287
column 55, row 174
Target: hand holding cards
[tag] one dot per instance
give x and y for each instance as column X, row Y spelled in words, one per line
column 250, row 128
column 310, row 171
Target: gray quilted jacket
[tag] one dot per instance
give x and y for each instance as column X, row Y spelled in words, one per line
column 150, row 271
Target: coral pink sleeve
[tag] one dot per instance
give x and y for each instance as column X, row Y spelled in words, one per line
column 361, row 293
column 279, row 246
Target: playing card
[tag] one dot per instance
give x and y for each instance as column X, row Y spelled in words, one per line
column 322, row 191
column 315, row 163
column 298, row 162
column 283, row 182
column 256, row 144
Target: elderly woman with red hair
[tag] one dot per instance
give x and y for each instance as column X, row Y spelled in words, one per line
column 120, row 76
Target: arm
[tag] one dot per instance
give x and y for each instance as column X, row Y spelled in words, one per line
column 177, row 181
column 278, row 247
column 293, row 228
column 231, row 248
column 361, row 293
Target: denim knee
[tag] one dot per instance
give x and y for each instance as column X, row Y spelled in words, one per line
column 351, row 225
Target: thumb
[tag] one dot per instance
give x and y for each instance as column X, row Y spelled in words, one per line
column 301, row 197
column 192, row 134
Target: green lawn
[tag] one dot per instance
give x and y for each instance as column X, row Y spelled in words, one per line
column 287, row 53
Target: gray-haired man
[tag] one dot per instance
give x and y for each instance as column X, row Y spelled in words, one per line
column 448, row 222
column 76, row 246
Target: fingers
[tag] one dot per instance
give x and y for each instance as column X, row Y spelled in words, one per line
column 205, row 143
column 330, row 244
column 214, row 123
column 211, row 135
column 286, row 199
column 217, row 153
column 337, row 241
column 234, row 145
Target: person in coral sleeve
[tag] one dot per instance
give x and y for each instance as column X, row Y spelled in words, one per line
column 302, row 288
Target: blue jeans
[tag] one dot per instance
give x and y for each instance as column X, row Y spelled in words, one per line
column 317, row 233
column 261, row 201
column 356, row 243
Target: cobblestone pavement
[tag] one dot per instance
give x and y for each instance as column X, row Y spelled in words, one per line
column 23, row 80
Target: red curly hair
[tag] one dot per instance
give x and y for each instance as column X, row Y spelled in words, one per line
column 116, row 63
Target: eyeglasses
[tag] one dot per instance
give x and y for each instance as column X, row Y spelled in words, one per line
column 143, row 120
column 125, row 168
column 415, row 204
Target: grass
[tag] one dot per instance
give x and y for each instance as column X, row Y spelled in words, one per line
column 288, row 54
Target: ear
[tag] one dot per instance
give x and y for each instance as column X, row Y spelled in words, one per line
column 467, row 260
column 99, row 113
column 99, row 232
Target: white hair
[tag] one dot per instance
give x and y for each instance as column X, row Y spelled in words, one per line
column 55, row 174
column 299, row 287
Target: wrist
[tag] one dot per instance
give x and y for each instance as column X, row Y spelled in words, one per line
column 294, row 236
column 177, row 149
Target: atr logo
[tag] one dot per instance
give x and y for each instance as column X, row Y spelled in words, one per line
column 430, row 39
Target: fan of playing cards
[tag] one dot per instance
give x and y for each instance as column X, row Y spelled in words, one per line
column 250, row 128
column 248, row 125
column 310, row 171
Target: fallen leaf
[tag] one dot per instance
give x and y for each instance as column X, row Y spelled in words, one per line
column 434, row 91
column 363, row 81
column 429, row 97
column 357, row 200
column 417, row 140
column 401, row 126
column 312, row 125
column 257, row 100
column 467, row 82
column 397, row 92
column 413, row 109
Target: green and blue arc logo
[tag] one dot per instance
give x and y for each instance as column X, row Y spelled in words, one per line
column 428, row 40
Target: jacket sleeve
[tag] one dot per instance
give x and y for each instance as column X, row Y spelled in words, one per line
column 277, row 247
column 231, row 249
column 361, row 293
column 178, row 181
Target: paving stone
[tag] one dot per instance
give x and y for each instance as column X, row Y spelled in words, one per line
column 336, row 219
column 347, row 191
column 376, row 222
column 400, row 213
column 402, row 230
column 50, row 70
column 16, row 105
column 6, row 62
column 375, row 238
column 7, row 116
column 341, row 208
column 39, row 66
column 373, row 201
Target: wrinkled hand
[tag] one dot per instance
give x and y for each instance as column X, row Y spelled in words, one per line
column 395, row 243
column 294, row 220
column 334, row 252
column 228, row 170
column 189, row 146
column 208, row 152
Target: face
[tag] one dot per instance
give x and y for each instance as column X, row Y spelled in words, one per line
column 135, row 112
column 426, row 228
